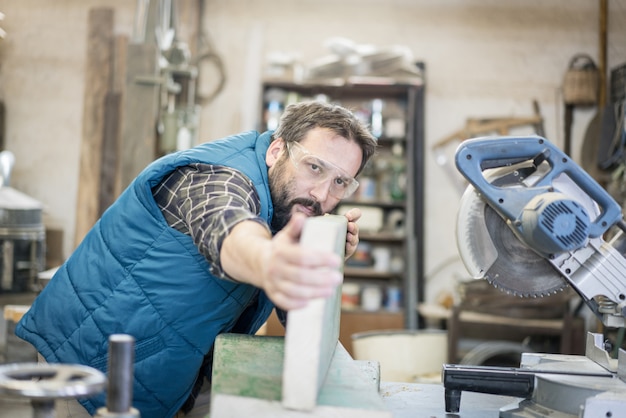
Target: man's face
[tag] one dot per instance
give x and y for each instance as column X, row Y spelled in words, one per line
column 294, row 188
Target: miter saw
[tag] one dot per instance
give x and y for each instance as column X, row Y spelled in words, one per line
column 532, row 223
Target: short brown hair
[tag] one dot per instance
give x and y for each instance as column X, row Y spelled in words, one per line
column 300, row 118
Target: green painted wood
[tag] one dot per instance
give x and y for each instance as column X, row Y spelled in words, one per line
column 252, row 374
column 347, row 386
column 249, row 366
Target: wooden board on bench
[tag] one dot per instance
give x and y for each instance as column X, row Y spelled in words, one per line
column 307, row 373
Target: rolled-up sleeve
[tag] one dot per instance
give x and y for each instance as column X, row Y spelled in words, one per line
column 206, row 202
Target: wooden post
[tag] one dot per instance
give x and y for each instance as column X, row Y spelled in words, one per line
column 141, row 101
column 602, row 35
column 141, row 111
column 110, row 179
column 97, row 78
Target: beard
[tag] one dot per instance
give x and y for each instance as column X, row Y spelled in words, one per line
column 281, row 189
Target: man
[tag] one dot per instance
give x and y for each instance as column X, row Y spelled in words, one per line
column 202, row 242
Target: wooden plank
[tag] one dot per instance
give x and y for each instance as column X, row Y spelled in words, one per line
column 248, row 366
column 312, row 332
column 110, row 151
column 140, row 114
column 110, row 180
column 247, row 381
column 97, row 79
column 347, row 386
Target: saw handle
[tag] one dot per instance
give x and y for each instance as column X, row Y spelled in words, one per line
column 474, row 156
column 484, row 379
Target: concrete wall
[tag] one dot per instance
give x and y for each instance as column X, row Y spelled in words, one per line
column 483, row 58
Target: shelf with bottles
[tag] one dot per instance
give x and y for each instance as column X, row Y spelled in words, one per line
column 390, row 195
column 382, row 108
column 389, row 237
column 357, row 296
column 383, row 180
column 354, row 200
column 376, row 260
column 371, row 273
column 380, row 224
column 362, row 311
column 287, row 92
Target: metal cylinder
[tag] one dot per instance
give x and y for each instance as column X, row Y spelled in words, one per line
column 43, row 408
column 121, row 360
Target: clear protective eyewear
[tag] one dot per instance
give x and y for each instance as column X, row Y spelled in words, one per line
column 315, row 169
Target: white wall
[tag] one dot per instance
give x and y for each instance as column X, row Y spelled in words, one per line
column 42, row 63
column 483, row 58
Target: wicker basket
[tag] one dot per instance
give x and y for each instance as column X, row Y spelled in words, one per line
column 581, row 81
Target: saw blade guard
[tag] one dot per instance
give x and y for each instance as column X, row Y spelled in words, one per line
column 471, row 229
column 475, row 230
column 490, row 250
column 547, row 221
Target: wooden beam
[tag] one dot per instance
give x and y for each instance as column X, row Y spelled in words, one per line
column 602, row 66
column 141, row 101
column 141, row 108
column 97, row 79
column 313, row 331
column 110, row 151
column 110, row 179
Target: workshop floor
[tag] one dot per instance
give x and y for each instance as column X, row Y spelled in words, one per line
column 15, row 408
column 12, row 408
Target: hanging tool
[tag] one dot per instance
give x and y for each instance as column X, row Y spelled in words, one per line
column 478, row 127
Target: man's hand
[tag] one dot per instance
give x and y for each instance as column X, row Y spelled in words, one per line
column 352, row 237
column 295, row 274
column 289, row 274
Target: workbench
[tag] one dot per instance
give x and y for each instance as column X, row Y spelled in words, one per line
column 424, row 400
column 309, row 374
column 414, row 400
column 405, row 400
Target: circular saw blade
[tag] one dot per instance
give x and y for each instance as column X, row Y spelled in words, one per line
column 490, row 250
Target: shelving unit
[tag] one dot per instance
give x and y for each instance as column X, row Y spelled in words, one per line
column 390, row 194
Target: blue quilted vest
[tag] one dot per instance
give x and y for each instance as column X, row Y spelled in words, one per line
column 134, row 274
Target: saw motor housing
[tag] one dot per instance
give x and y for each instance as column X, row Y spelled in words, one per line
column 554, row 208
column 552, row 223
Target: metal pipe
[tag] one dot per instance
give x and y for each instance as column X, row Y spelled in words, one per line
column 121, row 359
column 43, row 408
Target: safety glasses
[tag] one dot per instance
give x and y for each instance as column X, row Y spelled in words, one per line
column 314, row 169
